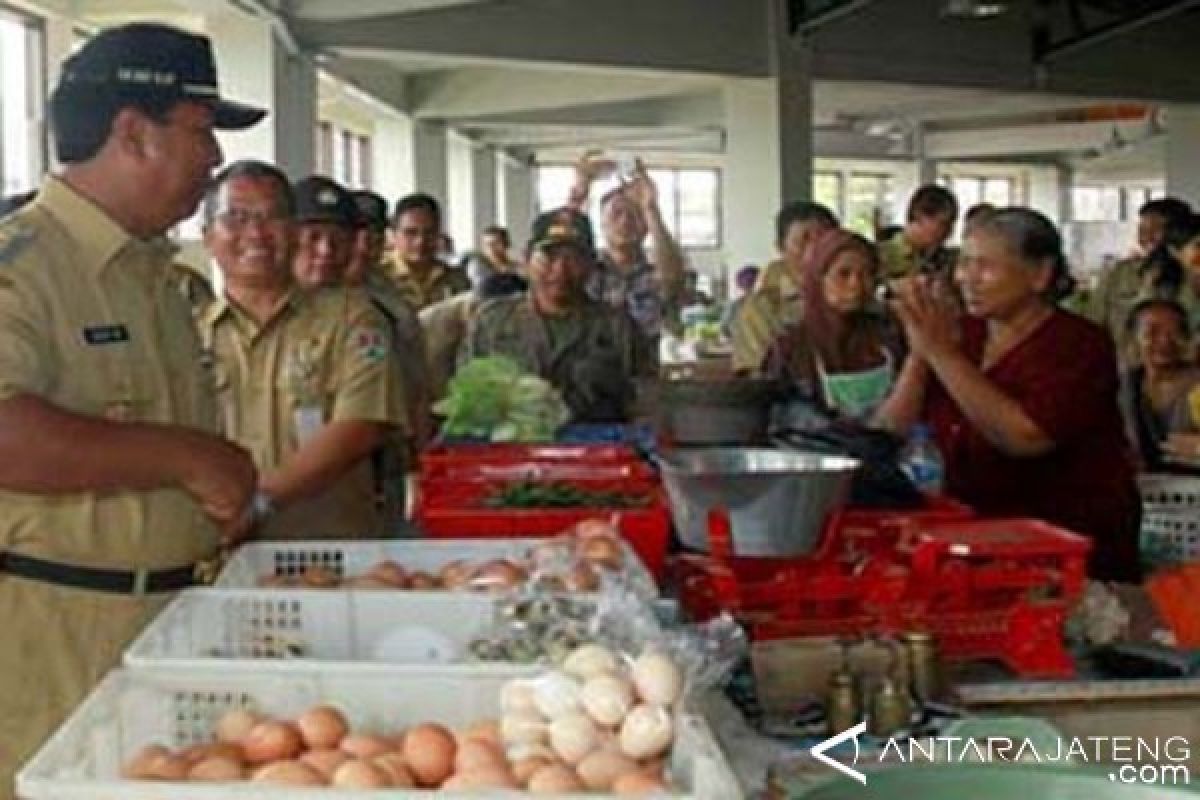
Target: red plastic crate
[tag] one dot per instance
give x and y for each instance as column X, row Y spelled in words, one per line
column 455, row 510
column 442, row 460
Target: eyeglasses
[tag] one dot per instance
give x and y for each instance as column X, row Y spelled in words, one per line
column 238, row 218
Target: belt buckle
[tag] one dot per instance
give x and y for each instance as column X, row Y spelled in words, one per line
column 141, row 579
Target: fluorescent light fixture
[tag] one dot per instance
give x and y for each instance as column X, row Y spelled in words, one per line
column 974, row 9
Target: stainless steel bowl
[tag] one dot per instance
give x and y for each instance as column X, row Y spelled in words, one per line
column 778, row 501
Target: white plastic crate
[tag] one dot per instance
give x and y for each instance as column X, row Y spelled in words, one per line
column 287, row 630
column 130, row 710
column 1170, row 537
column 253, row 560
column 1163, row 492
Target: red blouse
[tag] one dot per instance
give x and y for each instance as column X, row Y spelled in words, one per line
column 1064, row 376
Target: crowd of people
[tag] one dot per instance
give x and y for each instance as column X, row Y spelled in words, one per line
column 147, row 419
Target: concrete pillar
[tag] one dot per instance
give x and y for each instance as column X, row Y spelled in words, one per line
column 1183, row 152
column 253, row 67
column 519, row 202
column 769, row 145
column 429, row 159
column 393, row 175
column 483, row 192
column 927, row 168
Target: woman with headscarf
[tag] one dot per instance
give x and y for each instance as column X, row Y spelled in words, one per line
column 841, row 354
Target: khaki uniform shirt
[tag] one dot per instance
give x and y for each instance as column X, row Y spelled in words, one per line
column 898, row 259
column 410, row 347
column 440, row 283
column 193, row 286
column 325, row 356
column 90, row 322
column 1122, row 287
column 760, row 320
column 778, row 277
column 445, row 325
column 591, row 355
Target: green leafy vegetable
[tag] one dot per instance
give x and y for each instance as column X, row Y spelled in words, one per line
column 491, row 398
column 528, row 494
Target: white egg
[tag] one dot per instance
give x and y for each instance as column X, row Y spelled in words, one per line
column 573, row 735
column 555, row 694
column 522, row 727
column 588, row 660
column 517, row 695
column 646, row 732
column 657, row 678
column 607, row 698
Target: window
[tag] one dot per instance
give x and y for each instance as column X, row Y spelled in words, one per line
column 973, row 189
column 1096, row 203
column 22, row 154
column 689, row 199
column 366, row 166
column 870, row 199
column 324, row 149
column 827, row 190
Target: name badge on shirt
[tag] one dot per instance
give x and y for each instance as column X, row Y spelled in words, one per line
column 97, row 335
column 309, row 421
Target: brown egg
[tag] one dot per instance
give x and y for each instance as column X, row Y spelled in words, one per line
column 366, row 745
column 524, row 768
column 366, row 583
column 429, row 752
column 581, row 578
column 325, row 762
column 485, row 730
column 455, row 574
column 141, row 766
column 604, row 551
column 492, row 777
column 320, row 578
column 554, row 779
column 638, row 783
column 236, row 724
column 423, row 581
column 358, row 774
column 271, row 740
column 322, row 727
column 601, row 769
column 498, row 575
column 473, row 754
column 216, row 769
column 389, row 572
column 589, row 528
column 289, row 773
column 227, row 750
column 397, row 770
column 170, row 768
column 275, row 581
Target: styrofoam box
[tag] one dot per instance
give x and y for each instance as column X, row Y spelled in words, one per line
column 348, row 558
column 132, row 709
column 260, row 629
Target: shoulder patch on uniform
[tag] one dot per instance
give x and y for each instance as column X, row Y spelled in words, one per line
column 369, row 342
column 14, row 238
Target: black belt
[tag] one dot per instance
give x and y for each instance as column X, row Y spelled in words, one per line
column 101, row 580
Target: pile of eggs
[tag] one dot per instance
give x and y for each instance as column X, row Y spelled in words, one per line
column 571, row 562
column 598, row 724
column 318, row 749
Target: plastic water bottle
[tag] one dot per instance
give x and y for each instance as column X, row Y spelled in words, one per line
column 922, row 462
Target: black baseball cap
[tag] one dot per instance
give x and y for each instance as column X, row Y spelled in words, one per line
column 319, row 199
column 147, row 60
column 563, row 226
column 372, row 209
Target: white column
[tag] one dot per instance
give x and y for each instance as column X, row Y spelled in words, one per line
column 1183, row 152
column 769, row 145
column 519, row 203
column 429, row 160
column 459, row 202
column 927, row 172
column 483, row 192
column 294, row 113
column 392, row 147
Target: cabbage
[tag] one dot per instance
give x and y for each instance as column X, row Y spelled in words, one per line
column 491, row 398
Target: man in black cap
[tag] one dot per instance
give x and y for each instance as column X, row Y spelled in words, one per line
column 326, row 218
column 589, row 351
column 113, row 484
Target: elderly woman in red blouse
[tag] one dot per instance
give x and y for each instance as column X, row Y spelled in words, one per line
column 1021, row 395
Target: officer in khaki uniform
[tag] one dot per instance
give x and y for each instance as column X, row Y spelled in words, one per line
column 422, row 278
column 306, row 377
column 113, row 485
column 588, row 351
column 920, row 249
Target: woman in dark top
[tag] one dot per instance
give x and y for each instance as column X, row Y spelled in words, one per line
column 1021, row 395
column 1152, row 391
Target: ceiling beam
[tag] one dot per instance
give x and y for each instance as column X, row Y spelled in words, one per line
column 1051, row 51
column 803, row 24
column 692, row 109
column 360, row 9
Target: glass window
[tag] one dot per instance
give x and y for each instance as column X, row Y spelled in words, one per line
column 366, row 169
column 324, row 149
column 870, row 200
column 999, row 192
column 699, row 208
column 827, row 190
column 1096, row 203
column 22, row 156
